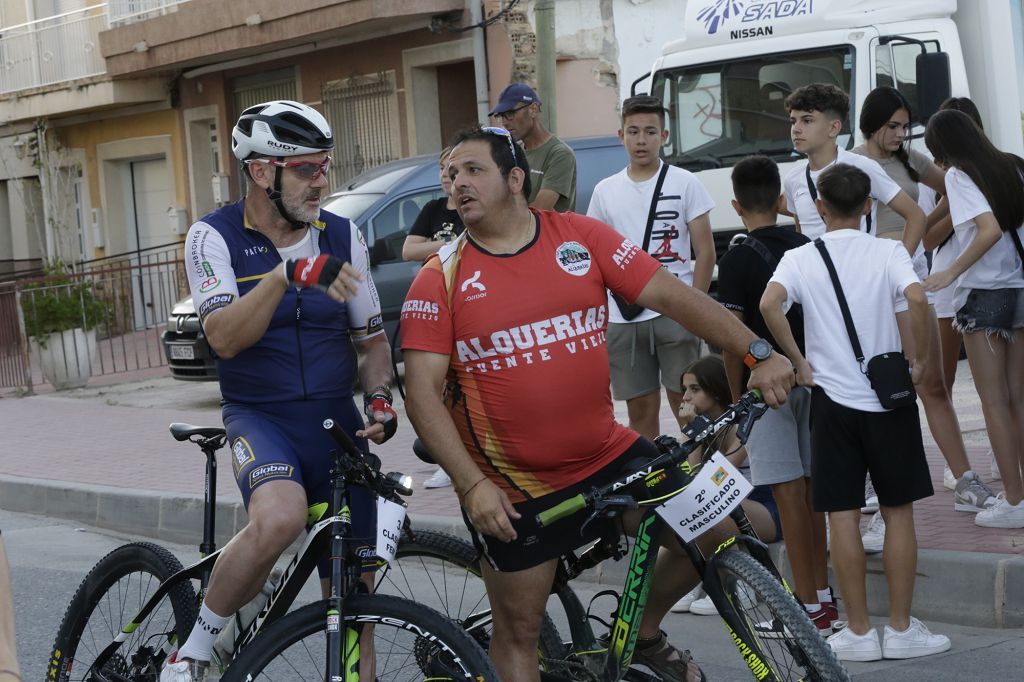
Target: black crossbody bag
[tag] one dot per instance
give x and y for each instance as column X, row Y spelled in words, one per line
column 630, row 311
column 888, row 373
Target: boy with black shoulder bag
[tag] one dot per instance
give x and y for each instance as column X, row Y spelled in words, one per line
column 864, row 416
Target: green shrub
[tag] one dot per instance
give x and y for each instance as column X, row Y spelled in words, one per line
column 60, row 302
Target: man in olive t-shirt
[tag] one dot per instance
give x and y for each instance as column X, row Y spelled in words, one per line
column 552, row 163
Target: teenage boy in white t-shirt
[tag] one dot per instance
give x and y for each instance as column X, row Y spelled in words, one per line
column 650, row 350
column 816, row 115
column 851, row 433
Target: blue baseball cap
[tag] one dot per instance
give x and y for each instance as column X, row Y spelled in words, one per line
column 514, row 95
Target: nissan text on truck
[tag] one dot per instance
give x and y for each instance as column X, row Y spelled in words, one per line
column 725, row 82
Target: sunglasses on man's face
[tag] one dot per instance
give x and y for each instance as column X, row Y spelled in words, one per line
column 494, row 130
column 308, row 171
column 506, row 115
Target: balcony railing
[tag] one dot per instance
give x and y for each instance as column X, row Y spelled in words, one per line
column 65, row 47
column 129, row 11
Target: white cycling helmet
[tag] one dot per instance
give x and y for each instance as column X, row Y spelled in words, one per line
column 281, row 128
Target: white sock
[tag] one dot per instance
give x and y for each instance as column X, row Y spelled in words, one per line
column 825, row 596
column 811, row 608
column 204, row 634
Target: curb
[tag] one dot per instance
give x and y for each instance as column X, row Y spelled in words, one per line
column 967, row 588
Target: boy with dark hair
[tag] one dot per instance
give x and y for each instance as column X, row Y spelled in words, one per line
column 779, row 448
column 648, row 351
column 852, row 434
column 816, row 115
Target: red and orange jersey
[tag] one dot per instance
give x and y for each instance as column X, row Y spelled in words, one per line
column 528, row 381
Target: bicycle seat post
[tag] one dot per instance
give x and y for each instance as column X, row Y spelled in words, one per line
column 209, row 543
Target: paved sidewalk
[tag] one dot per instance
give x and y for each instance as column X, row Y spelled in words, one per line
column 102, row 455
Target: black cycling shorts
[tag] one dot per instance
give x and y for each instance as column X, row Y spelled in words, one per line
column 535, row 545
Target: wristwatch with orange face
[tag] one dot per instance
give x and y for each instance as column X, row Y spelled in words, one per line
column 759, row 351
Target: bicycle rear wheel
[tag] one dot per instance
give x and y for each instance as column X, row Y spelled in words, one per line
column 442, row 571
column 411, row 642
column 105, row 606
column 799, row 652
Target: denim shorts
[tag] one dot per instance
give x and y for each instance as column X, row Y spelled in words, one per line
column 993, row 311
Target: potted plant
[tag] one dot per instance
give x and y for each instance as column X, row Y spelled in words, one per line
column 61, row 313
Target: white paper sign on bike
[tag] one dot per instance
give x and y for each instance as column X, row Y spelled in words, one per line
column 718, row 489
column 390, row 517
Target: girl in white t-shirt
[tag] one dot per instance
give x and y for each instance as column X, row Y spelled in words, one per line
column 885, row 122
column 985, row 191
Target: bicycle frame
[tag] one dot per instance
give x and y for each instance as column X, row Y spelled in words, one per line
column 333, row 533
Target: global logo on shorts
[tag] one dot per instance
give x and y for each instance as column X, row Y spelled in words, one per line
column 573, row 258
column 265, row 471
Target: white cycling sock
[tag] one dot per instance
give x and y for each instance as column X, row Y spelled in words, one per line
column 204, row 634
column 825, row 596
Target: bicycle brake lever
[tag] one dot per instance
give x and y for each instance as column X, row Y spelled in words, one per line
column 746, row 424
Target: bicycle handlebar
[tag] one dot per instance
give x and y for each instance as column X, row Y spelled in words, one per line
column 368, row 465
column 748, row 404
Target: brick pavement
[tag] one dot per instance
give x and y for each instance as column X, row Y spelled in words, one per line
column 114, row 434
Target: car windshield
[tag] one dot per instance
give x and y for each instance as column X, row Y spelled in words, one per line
column 351, row 205
column 721, row 112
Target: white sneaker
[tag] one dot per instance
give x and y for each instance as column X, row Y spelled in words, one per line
column 183, row 671
column 971, row 495
column 870, row 498
column 704, row 607
column 913, row 642
column 948, row 479
column 853, row 647
column 683, row 605
column 438, row 480
column 874, row 536
column 994, row 467
column 1002, row 514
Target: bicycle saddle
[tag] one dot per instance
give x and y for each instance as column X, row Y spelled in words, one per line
column 182, row 431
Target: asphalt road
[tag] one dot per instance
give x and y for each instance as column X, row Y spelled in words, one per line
column 49, row 558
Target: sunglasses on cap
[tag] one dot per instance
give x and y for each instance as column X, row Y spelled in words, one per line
column 494, row 130
column 306, row 170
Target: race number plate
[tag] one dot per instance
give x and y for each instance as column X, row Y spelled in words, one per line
column 714, row 493
column 390, row 517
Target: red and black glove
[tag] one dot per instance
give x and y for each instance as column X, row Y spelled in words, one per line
column 317, row 272
column 379, row 400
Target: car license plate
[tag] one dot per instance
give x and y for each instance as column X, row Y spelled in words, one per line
column 182, row 353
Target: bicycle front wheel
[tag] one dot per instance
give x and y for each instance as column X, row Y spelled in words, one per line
column 442, row 571
column 410, row 642
column 105, row 606
column 795, row 651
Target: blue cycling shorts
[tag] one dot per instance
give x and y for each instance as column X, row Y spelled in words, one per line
column 287, row 441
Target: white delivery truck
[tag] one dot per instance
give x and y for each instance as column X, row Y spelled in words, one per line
column 725, row 81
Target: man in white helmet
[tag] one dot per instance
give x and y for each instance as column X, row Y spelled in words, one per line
column 281, row 288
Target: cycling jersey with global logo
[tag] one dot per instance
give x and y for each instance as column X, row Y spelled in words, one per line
column 528, row 383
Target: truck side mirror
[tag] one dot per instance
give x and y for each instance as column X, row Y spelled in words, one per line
column 932, row 83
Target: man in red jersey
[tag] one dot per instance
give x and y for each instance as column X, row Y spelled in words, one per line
column 508, row 385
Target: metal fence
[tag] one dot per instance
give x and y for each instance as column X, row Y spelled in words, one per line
column 108, row 318
column 52, row 50
column 363, row 113
column 128, row 11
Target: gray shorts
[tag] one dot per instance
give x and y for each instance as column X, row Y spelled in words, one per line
column 779, row 448
column 649, row 354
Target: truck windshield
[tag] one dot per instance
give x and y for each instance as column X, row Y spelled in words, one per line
column 722, row 112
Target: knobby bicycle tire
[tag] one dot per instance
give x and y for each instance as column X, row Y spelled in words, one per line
column 411, row 642
column 110, row 596
column 443, row 572
column 800, row 652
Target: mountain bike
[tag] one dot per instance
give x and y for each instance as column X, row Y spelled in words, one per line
column 739, row 576
column 138, row 604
